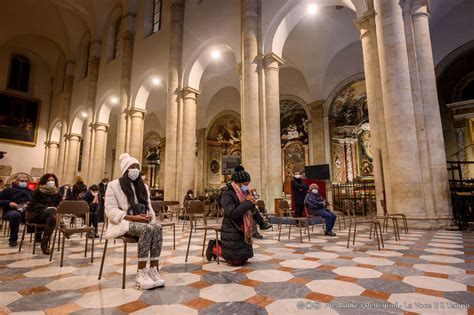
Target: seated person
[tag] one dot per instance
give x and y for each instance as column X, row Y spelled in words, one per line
column 316, row 206
column 189, row 196
column 11, row 199
column 42, row 207
column 92, row 198
column 239, row 214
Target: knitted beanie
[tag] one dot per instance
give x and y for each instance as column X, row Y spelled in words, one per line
column 240, row 175
column 313, row 186
column 125, row 161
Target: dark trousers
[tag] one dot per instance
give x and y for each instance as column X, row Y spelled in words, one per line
column 257, row 217
column 329, row 218
column 299, row 210
column 94, row 220
column 14, row 217
column 48, row 217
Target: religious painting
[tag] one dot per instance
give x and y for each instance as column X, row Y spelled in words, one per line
column 294, row 159
column 19, row 118
column 293, row 122
column 152, row 148
column 364, row 156
column 215, row 167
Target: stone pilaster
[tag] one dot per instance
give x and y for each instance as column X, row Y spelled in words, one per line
column 274, row 176
column 137, row 124
column 188, row 145
column 97, row 165
column 201, row 160
column 173, row 95
column 431, row 112
column 72, row 161
column 402, row 145
column 67, row 93
column 52, row 153
column 126, row 55
column 250, row 107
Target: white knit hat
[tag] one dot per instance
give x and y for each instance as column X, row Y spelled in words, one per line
column 125, row 161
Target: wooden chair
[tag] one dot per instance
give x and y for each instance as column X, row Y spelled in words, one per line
column 374, row 226
column 25, row 226
column 285, row 208
column 196, row 210
column 158, row 208
column 77, row 208
column 126, row 240
column 301, row 222
column 173, row 208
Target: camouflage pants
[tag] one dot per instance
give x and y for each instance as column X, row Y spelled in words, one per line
column 150, row 239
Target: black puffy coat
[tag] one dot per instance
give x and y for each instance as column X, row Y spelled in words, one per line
column 39, row 202
column 233, row 244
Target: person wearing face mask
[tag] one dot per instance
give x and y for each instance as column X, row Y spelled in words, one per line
column 317, row 207
column 92, row 198
column 239, row 214
column 11, row 199
column 42, row 207
column 129, row 212
column 102, row 189
column 189, row 196
column 298, row 193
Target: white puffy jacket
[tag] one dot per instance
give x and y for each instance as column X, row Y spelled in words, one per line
column 116, row 205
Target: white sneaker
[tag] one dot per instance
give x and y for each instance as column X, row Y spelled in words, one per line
column 143, row 281
column 155, row 276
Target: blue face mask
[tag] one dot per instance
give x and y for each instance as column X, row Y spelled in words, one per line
column 22, row 184
column 244, row 188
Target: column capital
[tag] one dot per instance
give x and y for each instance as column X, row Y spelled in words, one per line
column 270, row 59
column 190, row 93
column 100, row 126
column 137, row 112
column 421, row 8
column 366, row 22
column 51, row 143
column 176, row 4
column 73, row 136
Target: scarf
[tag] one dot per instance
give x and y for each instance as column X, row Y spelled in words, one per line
column 248, row 219
column 45, row 189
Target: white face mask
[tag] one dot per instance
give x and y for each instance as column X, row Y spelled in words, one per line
column 133, row 173
column 51, row 183
column 314, row 191
column 95, row 193
column 190, row 195
column 297, row 176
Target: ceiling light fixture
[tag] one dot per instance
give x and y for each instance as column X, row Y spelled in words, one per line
column 156, row 81
column 114, row 100
column 312, row 9
column 216, row 54
column 84, row 115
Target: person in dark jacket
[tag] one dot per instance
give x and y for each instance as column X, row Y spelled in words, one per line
column 42, row 207
column 189, row 196
column 239, row 214
column 12, row 200
column 79, row 189
column 92, row 198
column 298, row 194
column 102, row 189
column 317, row 207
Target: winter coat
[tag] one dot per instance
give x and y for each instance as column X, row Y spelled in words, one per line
column 116, row 206
column 78, row 191
column 89, row 198
column 40, row 201
column 314, row 202
column 298, row 191
column 14, row 194
column 233, row 244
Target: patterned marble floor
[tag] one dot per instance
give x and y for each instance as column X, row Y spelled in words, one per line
column 428, row 272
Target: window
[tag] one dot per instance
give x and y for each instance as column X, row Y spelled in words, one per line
column 20, row 67
column 117, row 38
column 156, row 15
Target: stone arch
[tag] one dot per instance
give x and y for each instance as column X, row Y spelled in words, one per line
column 77, row 122
column 287, row 18
column 54, row 134
column 343, row 84
column 218, row 116
column 103, row 111
column 145, row 88
column 201, row 59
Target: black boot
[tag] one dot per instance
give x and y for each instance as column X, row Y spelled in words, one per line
column 45, row 245
column 210, row 246
column 257, row 235
column 265, row 226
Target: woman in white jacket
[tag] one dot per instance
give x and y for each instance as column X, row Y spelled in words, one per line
column 129, row 212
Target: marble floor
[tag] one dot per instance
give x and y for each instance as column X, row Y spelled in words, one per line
column 428, row 272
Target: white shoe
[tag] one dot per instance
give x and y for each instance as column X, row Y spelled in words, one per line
column 143, row 281
column 155, row 277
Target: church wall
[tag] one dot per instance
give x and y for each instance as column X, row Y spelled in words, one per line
column 22, row 158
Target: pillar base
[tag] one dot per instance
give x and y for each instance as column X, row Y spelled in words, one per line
column 427, row 223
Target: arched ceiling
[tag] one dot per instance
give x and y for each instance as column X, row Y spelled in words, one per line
column 316, row 41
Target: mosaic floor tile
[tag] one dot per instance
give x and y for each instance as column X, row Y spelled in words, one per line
column 437, row 284
column 227, row 292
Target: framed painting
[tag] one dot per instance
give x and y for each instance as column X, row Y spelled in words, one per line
column 19, row 118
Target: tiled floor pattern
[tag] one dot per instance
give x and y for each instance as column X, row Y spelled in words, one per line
column 426, row 272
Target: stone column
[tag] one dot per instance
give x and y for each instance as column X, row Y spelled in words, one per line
column 200, row 160
column 98, row 159
column 272, row 115
column 404, row 162
column 188, row 144
column 52, row 152
column 68, row 84
column 137, row 124
column 92, row 77
column 250, row 108
column 316, row 134
column 174, row 76
column 126, row 54
column 72, row 157
column 366, row 26
column 431, row 111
